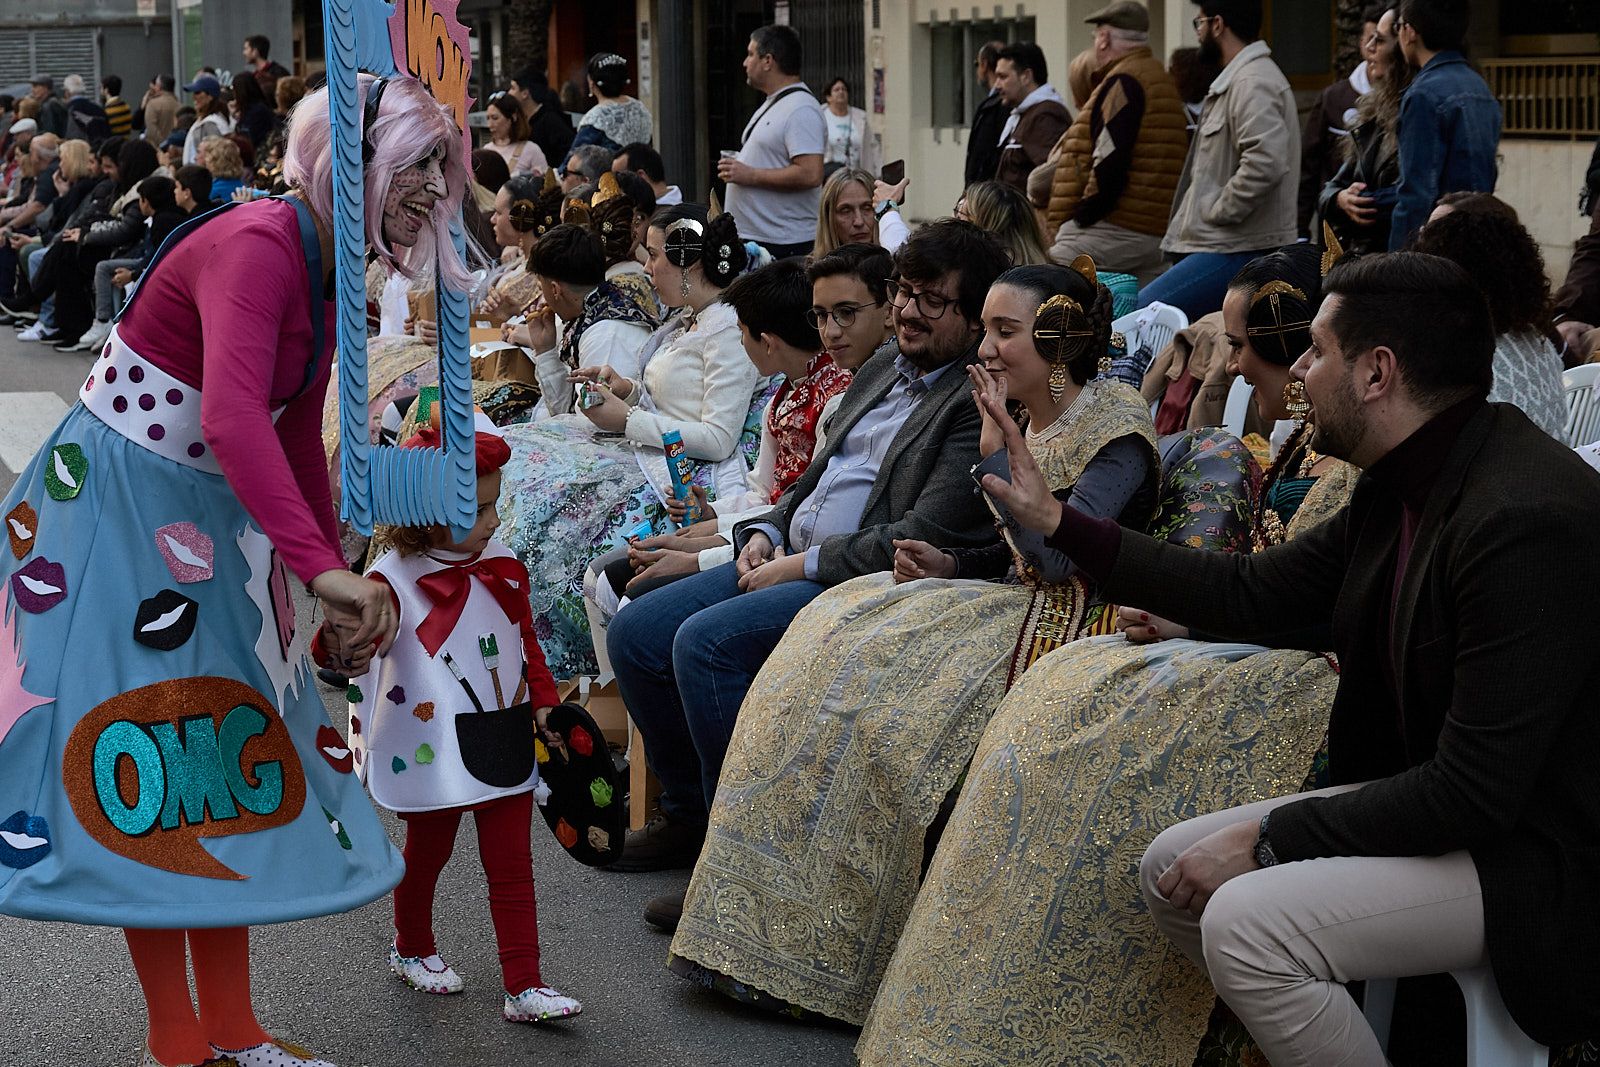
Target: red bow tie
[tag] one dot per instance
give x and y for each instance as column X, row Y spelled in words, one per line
column 448, row 589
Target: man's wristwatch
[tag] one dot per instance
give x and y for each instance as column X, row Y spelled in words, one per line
column 1265, row 857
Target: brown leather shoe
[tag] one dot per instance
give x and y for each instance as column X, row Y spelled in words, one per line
column 662, row 845
column 663, row 912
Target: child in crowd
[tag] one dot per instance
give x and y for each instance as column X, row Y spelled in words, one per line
column 429, row 744
column 815, row 326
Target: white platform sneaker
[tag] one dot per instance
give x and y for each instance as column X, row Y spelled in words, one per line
column 425, row 974
column 540, row 1005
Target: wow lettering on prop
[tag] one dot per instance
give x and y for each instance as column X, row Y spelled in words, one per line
column 151, row 772
column 420, row 39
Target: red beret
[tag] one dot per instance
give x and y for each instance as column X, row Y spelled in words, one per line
column 490, row 450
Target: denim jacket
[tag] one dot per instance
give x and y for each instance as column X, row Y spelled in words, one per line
column 1449, row 133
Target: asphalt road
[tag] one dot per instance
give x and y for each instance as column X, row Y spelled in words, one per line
column 68, row 996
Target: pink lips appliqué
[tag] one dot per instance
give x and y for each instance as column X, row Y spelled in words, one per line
column 189, row 552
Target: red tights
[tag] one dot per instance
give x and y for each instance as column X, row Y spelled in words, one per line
column 503, row 827
column 226, row 1019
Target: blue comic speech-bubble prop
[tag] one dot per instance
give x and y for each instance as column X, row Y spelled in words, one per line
column 420, row 39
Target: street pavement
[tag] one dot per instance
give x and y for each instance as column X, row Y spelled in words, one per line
column 68, row 996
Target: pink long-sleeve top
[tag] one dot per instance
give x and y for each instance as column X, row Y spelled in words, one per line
column 229, row 312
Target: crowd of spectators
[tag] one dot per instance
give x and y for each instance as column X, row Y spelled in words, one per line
column 861, row 683
column 830, row 583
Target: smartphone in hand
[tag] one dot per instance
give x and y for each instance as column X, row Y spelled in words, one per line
column 893, row 173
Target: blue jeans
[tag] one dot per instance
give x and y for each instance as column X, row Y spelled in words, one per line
column 714, row 638
column 1197, row 282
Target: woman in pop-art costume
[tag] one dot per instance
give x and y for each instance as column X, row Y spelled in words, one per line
column 165, row 761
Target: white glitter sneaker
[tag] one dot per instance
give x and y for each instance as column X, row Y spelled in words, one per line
column 425, row 974
column 540, row 1005
column 270, row 1054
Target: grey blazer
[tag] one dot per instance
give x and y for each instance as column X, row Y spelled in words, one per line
column 924, row 489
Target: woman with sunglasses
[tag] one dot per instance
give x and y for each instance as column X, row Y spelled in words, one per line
column 509, row 137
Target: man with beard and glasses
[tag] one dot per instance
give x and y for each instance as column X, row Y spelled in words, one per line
column 1237, row 194
column 1460, row 829
column 896, row 465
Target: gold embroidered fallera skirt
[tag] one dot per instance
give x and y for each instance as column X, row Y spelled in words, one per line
column 1029, row 942
column 855, row 731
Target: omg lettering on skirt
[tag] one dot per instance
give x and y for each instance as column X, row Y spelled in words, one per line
column 153, row 771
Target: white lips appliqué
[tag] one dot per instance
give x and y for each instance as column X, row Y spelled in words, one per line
column 37, row 587
column 21, row 842
column 161, row 622
column 63, row 473
column 182, row 553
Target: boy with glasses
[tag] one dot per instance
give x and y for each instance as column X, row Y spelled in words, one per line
column 895, row 466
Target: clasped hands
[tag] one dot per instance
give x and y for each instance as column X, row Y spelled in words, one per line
column 358, row 620
column 762, row 565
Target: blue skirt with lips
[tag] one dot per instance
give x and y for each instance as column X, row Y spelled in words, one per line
column 165, row 760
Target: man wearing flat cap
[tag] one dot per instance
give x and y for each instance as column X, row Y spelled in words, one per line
column 1120, row 160
column 52, row 112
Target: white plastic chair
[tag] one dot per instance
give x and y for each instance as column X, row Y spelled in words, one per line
column 1493, row 1039
column 1238, row 406
column 1583, row 406
column 1153, row 325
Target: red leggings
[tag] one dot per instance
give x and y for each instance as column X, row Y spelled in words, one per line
column 503, row 830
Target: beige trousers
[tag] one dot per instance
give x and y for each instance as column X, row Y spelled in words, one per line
column 1112, row 248
column 1279, row 943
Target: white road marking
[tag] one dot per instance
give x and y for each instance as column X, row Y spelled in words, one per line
column 29, row 421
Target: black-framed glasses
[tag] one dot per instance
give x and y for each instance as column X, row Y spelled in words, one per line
column 932, row 305
column 844, row 315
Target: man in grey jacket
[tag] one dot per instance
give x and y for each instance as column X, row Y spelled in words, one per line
column 1236, row 199
column 896, row 465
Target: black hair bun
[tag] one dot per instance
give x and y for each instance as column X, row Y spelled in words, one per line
column 723, row 256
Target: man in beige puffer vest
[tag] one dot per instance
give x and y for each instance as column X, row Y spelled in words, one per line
column 1120, row 160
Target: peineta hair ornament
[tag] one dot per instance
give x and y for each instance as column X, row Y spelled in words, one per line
column 1275, row 293
column 1332, row 250
column 1061, row 332
column 684, row 244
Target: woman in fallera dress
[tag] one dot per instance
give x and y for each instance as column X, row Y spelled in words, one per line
column 1029, row 939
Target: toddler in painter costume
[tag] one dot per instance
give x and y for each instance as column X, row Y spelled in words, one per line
column 444, row 724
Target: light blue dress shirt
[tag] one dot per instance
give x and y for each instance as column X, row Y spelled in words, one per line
column 836, row 505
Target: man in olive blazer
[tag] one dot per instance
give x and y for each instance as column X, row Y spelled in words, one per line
column 1460, row 582
column 897, row 465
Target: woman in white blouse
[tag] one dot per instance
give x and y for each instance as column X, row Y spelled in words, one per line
column 508, row 136
column 578, row 485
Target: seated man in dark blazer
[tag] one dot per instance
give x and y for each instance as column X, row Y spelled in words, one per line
column 1465, row 826
column 896, row 465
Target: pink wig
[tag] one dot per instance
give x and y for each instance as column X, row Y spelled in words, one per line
column 410, row 125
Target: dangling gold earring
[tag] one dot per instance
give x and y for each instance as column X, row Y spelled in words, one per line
column 1295, row 400
column 1058, row 380
column 1105, row 365
column 683, row 284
